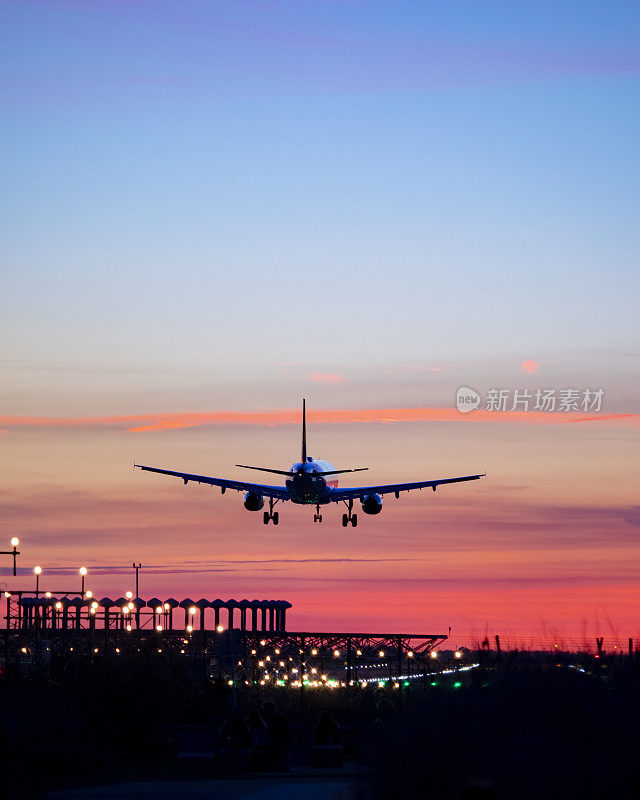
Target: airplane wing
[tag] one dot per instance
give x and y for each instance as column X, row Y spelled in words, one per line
column 279, row 492
column 361, row 491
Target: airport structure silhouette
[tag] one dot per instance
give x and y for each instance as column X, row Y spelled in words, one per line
column 221, row 635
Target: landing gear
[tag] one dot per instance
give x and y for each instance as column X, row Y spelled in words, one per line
column 317, row 517
column 349, row 518
column 271, row 514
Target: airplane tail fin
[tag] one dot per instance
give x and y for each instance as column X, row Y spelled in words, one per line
column 304, row 433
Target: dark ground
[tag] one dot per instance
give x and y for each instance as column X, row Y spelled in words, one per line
column 520, row 728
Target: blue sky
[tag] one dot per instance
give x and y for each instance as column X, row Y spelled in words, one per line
column 402, row 180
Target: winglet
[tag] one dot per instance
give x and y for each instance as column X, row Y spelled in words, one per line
column 304, row 433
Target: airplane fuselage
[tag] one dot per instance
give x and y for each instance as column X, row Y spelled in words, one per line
column 308, row 488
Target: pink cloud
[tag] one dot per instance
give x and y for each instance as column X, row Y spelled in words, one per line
column 191, row 419
column 326, row 377
column 530, row 365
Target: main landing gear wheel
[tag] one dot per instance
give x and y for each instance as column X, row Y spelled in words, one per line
column 349, row 518
column 317, row 517
column 271, row 514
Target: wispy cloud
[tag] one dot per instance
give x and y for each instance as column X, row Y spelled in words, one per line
column 326, row 377
column 138, row 423
column 530, row 366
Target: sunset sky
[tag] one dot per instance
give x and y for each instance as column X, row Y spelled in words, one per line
column 211, row 210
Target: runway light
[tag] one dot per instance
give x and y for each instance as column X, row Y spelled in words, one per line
column 129, row 628
column 314, row 652
column 7, row 594
column 276, row 651
column 47, row 594
column 131, row 606
column 336, row 653
column 159, row 610
column 410, row 654
column 159, row 628
column 358, row 652
column 23, row 649
column 457, row 685
column 193, row 610
column 458, row 654
column 15, row 541
column 219, row 628
column 83, row 571
column 167, row 606
column 189, row 628
column 125, row 609
column 434, row 654
column 381, row 654
column 37, row 570
column 88, row 594
column 92, row 610
column 94, row 604
column 128, row 595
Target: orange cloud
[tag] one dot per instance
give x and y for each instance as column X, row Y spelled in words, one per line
column 530, row 365
column 158, row 422
column 326, row 377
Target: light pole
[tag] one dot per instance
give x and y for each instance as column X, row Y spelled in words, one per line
column 15, row 552
column 137, row 567
column 37, row 570
column 83, row 572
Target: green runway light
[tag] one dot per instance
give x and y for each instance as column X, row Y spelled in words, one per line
column 434, row 683
column 457, row 685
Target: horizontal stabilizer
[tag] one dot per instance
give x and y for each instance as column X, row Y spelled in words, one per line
column 340, row 471
column 266, row 469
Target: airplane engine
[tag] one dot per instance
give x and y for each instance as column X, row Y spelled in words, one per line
column 372, row 504
column 253, row 502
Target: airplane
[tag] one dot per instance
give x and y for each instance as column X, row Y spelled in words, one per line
column 306, row 484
